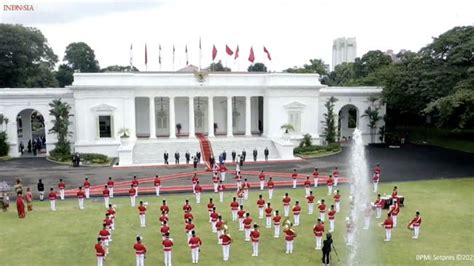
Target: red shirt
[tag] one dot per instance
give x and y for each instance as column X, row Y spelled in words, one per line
column 52, row 195
column 210, row 207
column 214, row 216
column 307, row 183
column 268, row 212
column 255, row 236
column 167, row 245
column 330, row 182
column 315, row 174
column 322, row 208
column 376, row 178
column 261, row 177
column 377, row 170
column 226, row 240
column 318, row 230
column 290, row 235
column 234, row 205
column 188, row 215
column 219, row 225
column 104, row 234
column 270, row 184
column 388, row 223
column 131, row 192
column 286, row 201
column 189, row 227
column 379, row 203
column 106, row 193
column 277, row 219
column 331, row 214
column 238, row 178
column 247, row 223
column 215, row 179
column 394, row 210
column 108, row 221
column 261, row 203
column 99, row 250
column 198, row 188
column 394, row 194
column 187, row 207
column 61, row 185
column 165, row 208
column 135, row 183
column 139, row 248
column 335, row 173
column 141, row 210
column 246, row 185
column 310, row 198
column 241, row 214
column 294, row 175
column 163, row 218
column 195, row 242
column 87, row 184
column 157, row 182
column 222, row 168
column 81, row 194
column 164, row 229
column 221, row 187
column 111, row 212
column 337, row 197
column 416, row 221
column 194, row 179
column 296, row 210
column 110, row 183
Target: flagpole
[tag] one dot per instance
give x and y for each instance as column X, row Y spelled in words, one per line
column 200, row 53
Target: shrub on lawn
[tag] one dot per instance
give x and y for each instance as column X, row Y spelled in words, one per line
column 94, row 158
column 333, row 147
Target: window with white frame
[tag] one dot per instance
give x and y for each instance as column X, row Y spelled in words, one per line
column 294, row 119
column 104, row 121
column 105, row 126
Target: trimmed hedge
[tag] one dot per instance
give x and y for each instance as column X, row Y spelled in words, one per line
column 331, row 147
column 87, row 158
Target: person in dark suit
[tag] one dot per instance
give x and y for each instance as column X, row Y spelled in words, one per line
column 255, row 153
column 266, row 152
column 244, row 155
column 327, row 249
column 198, row 155
column 176, row 157
column 234, row 154
column 165, row 157
column 195, row 162
column 212, row 160
column 187, row 155
column 224, row 155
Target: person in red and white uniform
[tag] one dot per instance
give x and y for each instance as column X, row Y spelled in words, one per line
column 294, row 175
column 255, row 237
column 222, row 170
column 106, row 195
column 80, row 196
column 194, row 180
column 186, row 206
column 316, row 177
column 268, row 216
column 247, row 226
column 394, row 210
column 188, row 228
column 375, row 181
column 241, row 214
column 261, row 178
column 163, row 218
column 337, row 200
column 349, row 231
column 234, row 207
column 415, row 225
column 246, row 187
column 52, row 199
column 238, row 180
column 270, row 186
column 104, row 235
column 167, row 249
column 215, row 181
column 214, row 217
column 367, row 215
column 276, row 224
column 240, row 196
column 261, row 206
column 87, row 186
column 310, row 199
column 140, row 252
column 335, row 175
column 157, row 184
column 135, row 185
column 221, row 189
column 307, row 186
column 220, row 228
column 331, row 218
column 142, row 213
column 111, row 212
column 318, row 230
column 195, row 244
column 100, row 252
column 197, row 192
column 165, row 208
column 378, row 204
column 377, row 169
column 188, row 215
column 290, row 236
column 286, row 205
column 132, row 193
column 61, row 187
column 226, row 240
column 164, row 229
column 210, row 208
column 108, row 225
column 394, row 193
column 388, row 224
column 110, row 185
column 322, row 210
column 330, row 183
column 296, row 213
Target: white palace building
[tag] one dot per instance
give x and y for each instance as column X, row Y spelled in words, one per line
column 165, row 111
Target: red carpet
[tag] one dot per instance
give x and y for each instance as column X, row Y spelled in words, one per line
column 206, row 149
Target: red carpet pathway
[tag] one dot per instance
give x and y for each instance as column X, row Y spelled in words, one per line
column 206, row 149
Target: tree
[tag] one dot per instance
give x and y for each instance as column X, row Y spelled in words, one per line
column 257, row 67
column 61, row 111
column 287, row 127
column 80, row 57
column 315, row 66
column 26, row 59
column 64, row 75
column 370, row 63
column 117, row 68
column 218, row 67
column 372, row 113
column 342, row 75
column 330, row 120
column 4, row 146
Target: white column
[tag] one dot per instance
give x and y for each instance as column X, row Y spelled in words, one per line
column 191, row 117
column 210, row 116
column 229, row 116
column 152, row 118
column 248, row 131
column 172, row 120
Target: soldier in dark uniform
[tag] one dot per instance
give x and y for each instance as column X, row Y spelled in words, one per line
column 266, row 152
column 198, row 155
column 195, row 162
column 255, row 153
column 244, row 155
column 176, row 157
column 165, row 157
column 212, row 160
column 29, row 146
column 234, row 154
column 224, row 155
column 188, row 157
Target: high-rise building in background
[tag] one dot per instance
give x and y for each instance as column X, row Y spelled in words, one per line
column 343, row 50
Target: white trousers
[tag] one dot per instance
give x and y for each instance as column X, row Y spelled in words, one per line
column 270, row 193
column 132, row 201
column 198, row 197
column 331, row 226
column 296, row 219
column 167, row 258
column 277, row 231
column 394, row 218
column 223, row 176
column 189, row 235
column 234, row 215
column 215, row 187
column 255, row 248
column 61, row 194
column 142, row 220
column 111, row 190
column 310, row 208
column 260, row 213
column 289, row 246
column 286, row 210
column 106, row 201
column 262, row 184
column 318, row 242
column 221, row 196
column 195, row 255
column 81, row 203
column 53, row 204
column 87, row 190
column 246, row 194
column 338, row 206
column 376, row 184
column 367, row 222
column 100, row 261
column 219, row 233
column 321, row 216
column 140, row 260
column 136, row 191
column 269, row 222
column 226, row 252
column 378, row 212
column 306, row 190
column 316, row 180
column 416, row 232
column 294, row 183
column 336, row 179
column 329, row 190
column 157, row 190
column 41, row 194
column 388, row 234
column 194, row 185
column 241, row 224
column 247, row 234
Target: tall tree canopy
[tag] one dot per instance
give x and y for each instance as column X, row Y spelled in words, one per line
column 117, row 68
column 314, row 66
column 26, row 59
column 257, row 67
column 218, row 67
column 80, row 56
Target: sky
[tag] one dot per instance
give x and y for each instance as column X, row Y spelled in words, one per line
column 293, row 31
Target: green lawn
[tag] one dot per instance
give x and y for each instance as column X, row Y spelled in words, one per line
column 67, row 236
column 453, row 144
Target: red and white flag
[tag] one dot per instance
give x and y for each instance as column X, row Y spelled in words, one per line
column 228, row 50
column 252, row 55
column 236, row 53
column 267, row 52
column 214, row 52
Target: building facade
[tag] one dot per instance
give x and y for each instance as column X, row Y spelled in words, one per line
column 344, row 50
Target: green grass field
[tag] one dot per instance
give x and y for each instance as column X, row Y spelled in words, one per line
column 67, row 236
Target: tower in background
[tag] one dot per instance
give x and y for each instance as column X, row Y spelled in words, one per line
column 343, row 50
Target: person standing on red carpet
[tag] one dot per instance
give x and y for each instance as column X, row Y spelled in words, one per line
column 87, row 186
column 215, row 181
column 375, row 181
column 194, row 180
column 330, row 183
column 246, row 187
column 133, row 194
column 316, row 177
column 167, row 249
column 80, row 196
column 61, row 187
column 270, row 186
column 140, row 252
column 106, row 195
column 294, row 176
column 307, row 186
column 110, row 185
column 20, row 205
column 135, row 185
column 335, row 175
column 222, row 170
column 261, row 177
column 157, row 184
